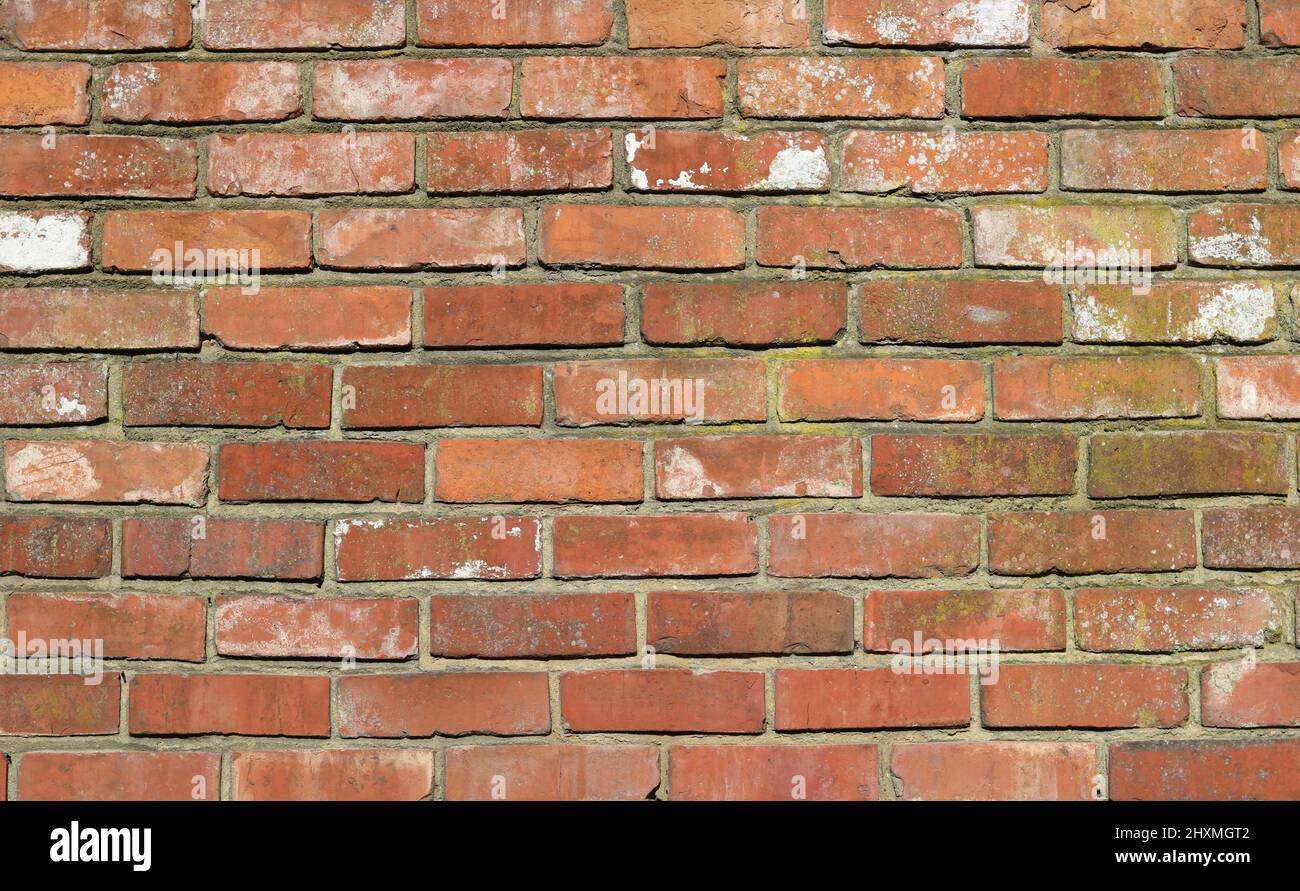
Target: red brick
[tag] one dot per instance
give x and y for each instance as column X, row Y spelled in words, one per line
column 308, row 318
column 642, row 237
column 662, row 700
column 1251, row 537
column 1164, row 160
column 48, row 395
column 519, row 161
column 97, row 166
column 202, row 92
column 932, row 162
column 44, row 93
column 341, row 775
column 551, row 314
column 226, row 394
column 869, row 699
column 532, row 626
column 1169, row 620
column 86, row 319
column 1039, row 236
column 601, row 88
column 694, row 391
column 1279, row 23
column 1102, row 697
column 1224, row 87
column 1267, row 694
column 421, row 238
column 323, row 471
column 882, row 389
column 104, row 472
column 841, row 87
column 700, row 161
column 1175, row 312
column 1258, row 387
column 971, row 311
column 229, row 704
column 693, row 623
column 96, row 25
column 411, row 396
column 1193, row 462
column 167, row 547
column 296, row 165
column 1154, row 24
column 518, row 470
column 1021, row 620
column 1022, row 87
column 695, row 23
column 280, row 627
column 131, row 626
column 134, row 240
column 773, row 773
column 1086, row 542
column 55, row 547
column 438, row 548
column 514, row 703
column 59, row 705
column 995, row 771
column 1083, row 388
column 552, row 773
column 650, row 547
column 120, row 776
column 1245, row 235
column 872, row 545
column 793, row 466
column 412, row 89
column 291, row 24
column 1288, row 158
column 972, row 465
column 773, row 313
column 928, row 23
column 516, row 23
column 843, row 238
column 1205, row 770
column 44, row 241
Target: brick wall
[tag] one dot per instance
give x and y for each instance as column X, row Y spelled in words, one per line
column 604, row 392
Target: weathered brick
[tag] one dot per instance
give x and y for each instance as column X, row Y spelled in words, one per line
column 55, row 547
column 218, row 548
column 1020, row 620
column 1227, row 87
column 517, row 23
column 881, row 389
column 1086, row 542
column 412, row 89
column 86, row 319
column 262, row 240
column 691, row 623
column 421, row 238
column 695, row 23
column 1042, row 236
column 104, row 472
column 1154, row 24
column 54, row 394
column 340, row 775
column 930, row 162
column 1102, row 697
column 601, row 88
column 226, row 394
column 523, row 161
column 532, row 626
column 650, row 547
column 694, row 391
column 841, row 87
column 1023, row 87
column 291, row 24
column 928, row 23
column 120, row 776
column 1245, row 235
column 997, row 771
column 1204, row 770
column 1251, row 537
column 615, row 237
column 59, row 705
column 843, row 238
column 758, row 467
column 1175, row 313
column 554, row 314
column 969, row 311
column 1164, row 160
column 700, row 161
column 663, row 700
column 773, row 313
column 972, row 465
column 1258, row 387
column 44, row 241
column 1279, row 23
column 438, row 548
column 773, row 773
column 315, row 319
column 229, row 704
column 1169, row 620
column 201, row 92
column 872, row 545
column 131, row 626
column 410, row 396
column 279, row 627
column 322, row 471
column 95, row 25
column 1201, row 462
column 293, row 165
column 1035, row 388
column 1237, row 694
column 500, row 703
column 552, row 773
column 517, row 470
column 869, row 699
column 44, row 93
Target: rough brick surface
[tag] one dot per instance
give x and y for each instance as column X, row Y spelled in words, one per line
column 677, row 399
